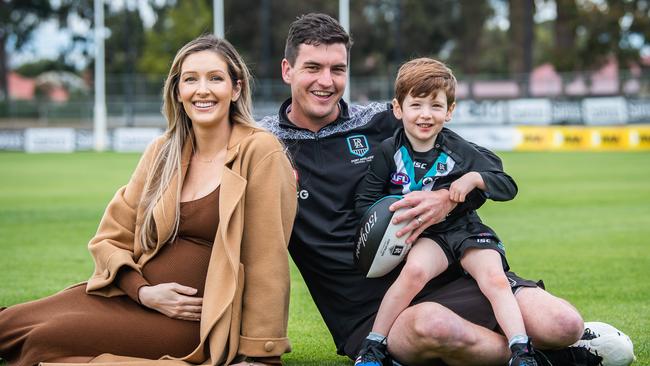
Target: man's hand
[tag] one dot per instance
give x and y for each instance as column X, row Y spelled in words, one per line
column 465, row 184
column 174, row 300
column 425, row 209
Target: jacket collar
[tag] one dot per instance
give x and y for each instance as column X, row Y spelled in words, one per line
column 284, row 121
column 238, row 133
column 439, row 144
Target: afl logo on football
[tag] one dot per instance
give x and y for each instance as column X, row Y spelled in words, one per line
column 400, row 179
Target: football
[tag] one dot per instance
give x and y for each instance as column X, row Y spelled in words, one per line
column 602, row 339
column 377, row 250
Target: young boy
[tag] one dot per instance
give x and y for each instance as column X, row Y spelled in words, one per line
column 423, row 155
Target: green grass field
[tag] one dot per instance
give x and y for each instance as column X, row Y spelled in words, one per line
column 581, row 222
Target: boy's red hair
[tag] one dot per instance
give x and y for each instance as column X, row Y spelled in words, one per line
column 424, row 76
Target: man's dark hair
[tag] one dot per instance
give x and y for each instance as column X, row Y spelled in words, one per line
column 314, row 29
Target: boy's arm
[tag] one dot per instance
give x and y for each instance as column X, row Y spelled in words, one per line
column 498, row 185
column 373, row 185
column 462, row 186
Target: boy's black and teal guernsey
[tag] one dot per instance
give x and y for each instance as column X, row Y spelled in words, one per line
column 398, row 169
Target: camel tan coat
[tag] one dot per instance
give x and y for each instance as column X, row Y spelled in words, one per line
column 246, row 296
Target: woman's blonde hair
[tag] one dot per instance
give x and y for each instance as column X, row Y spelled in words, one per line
column 167, row 161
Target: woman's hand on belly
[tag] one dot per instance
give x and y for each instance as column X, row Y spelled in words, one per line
column 174, row 300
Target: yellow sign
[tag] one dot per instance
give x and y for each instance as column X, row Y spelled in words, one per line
column 533, row 138
column 610, row 138
column 583, row 138
column 571, row 138
column 639, row 137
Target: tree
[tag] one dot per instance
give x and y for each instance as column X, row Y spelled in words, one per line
column 521, row 36
column 427, row 27
column 33, row 69
column 18, row 20
column 176, row 26
column 125, row 42
column 469, row 33
column 587, row 34
column 566, row 24
column 122, row 49
column 611, row 29
column 260, row 35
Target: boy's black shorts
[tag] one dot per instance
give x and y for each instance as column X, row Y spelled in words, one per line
column 454, row 242
column 462, row 296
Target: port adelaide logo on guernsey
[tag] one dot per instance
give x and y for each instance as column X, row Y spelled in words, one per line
column 358, row 146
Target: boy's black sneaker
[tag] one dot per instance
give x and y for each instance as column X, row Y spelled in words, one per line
column 373, row 353
column 522, row 355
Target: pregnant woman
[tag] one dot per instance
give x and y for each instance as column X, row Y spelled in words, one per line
column 190, row 256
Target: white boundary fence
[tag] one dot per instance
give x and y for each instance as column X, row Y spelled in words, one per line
column 498, row 138
column 614, row 123
column 64, row 140
column 542, row 111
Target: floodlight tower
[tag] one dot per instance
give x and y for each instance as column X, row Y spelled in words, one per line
column 99, row 115
column 217, row 18
column 344, row 19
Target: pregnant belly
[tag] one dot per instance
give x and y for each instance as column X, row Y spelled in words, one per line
column 181, row 261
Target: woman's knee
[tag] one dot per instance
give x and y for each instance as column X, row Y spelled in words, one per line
column 40, row 336
column 12, row 318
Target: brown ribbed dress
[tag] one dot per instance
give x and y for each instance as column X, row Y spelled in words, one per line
column 73, row 323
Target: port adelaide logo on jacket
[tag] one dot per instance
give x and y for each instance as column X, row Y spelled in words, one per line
column 358, row 146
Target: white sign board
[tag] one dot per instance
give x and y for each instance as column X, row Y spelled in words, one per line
column 498, row 138
column 604, row 111
column 38, row 140
column 530, row 112
column 11, row 140
column 567, row 112
column 134, row 139
column 639, row 110
column 486, row 112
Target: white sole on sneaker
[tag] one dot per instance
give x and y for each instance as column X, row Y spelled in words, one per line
column 614, row 346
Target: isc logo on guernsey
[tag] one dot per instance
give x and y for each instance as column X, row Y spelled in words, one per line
column 303, row 194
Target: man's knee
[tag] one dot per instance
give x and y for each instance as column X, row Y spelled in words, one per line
column 434, row 329
column 551, row 321
column 567, row 328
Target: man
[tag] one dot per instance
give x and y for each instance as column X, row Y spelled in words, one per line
column 331, row 145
